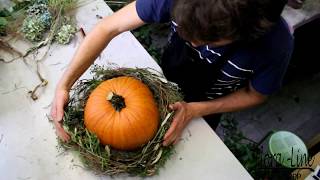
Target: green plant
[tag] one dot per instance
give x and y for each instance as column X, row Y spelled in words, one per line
column 153, row 37
column 148, row 35
column 250, row 153
column 246, row 150
column 9, row 20
column 3, row 25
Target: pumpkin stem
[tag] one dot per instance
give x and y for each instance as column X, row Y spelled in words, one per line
column 116, row 100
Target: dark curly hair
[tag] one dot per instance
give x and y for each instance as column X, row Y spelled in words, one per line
column 214, row 20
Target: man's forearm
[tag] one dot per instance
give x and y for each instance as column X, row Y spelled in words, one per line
column 241, row 99
column 88, row 51
column 109, row 27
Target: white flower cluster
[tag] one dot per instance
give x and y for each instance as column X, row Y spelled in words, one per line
column 65, row 34
column 37, row 21
column 33, row 29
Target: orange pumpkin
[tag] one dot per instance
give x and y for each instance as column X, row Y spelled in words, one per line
column 122, row 112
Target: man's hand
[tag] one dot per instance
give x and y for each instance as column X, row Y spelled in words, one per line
column 60, row 100
column 183, row 115
column 184, row 112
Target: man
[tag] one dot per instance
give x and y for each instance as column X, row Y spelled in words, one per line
column 226, row 55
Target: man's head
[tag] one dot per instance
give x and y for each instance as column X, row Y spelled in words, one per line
column 225, row 21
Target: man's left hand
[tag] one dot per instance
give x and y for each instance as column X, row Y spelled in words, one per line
column 183, row 115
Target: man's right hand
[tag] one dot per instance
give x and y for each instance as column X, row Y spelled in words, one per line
column 57, row 112
column 110, row 26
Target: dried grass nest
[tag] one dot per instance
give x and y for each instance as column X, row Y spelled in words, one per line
column 145, row 161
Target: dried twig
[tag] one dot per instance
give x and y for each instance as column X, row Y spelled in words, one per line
column 58, row 8
column 15, row 89
column 7, row 47
column 47, row 42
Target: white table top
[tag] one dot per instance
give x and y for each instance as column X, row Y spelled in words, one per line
column 28, row 144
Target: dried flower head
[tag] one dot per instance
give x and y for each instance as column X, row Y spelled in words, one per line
column 65, row 34
column 37, row 21
column 33, row 28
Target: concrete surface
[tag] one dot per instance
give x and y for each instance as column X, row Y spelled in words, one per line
column 295, row 108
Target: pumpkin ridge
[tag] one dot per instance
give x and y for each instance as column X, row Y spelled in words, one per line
column 137, row 84
column 113, row 86
column 116, row 141
column 120, row 132
column 111, row 133
column 145, row 112
column 93, row 126
column 90, row 116
column 145, row 124
column 105, row 128
column 126, row 126
column 138, row 91
column 105, row 124
column 121, row 84
column 117, row 132
column 133, row 128
column 105, row 87
column 125, row 85
column 136, row 126
column 148, row 104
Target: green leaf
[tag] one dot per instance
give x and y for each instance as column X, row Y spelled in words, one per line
column 4, row 13
column 3, row 21
column 3, row 24
column 21, row 5
column 224, row 123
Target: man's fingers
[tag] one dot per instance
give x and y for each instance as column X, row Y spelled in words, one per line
column 173, row 134
column 62, row 134
column 57, row 125
column 172, row 128
column 169, row 140
column 174, row 106
column 53, row 112
column 59, row 111
column 169, row 134
column 169, row 137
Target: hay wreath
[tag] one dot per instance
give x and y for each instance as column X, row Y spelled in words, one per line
column 144, row 161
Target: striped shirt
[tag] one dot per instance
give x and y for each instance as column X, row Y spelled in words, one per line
column 263, row 64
